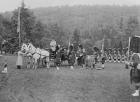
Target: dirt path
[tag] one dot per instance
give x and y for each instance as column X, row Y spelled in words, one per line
column 66, row 85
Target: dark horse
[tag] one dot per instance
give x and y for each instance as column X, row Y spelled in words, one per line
column 67, row 54
column 61, row 55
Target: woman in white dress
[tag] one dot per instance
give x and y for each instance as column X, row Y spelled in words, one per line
column 19, row 62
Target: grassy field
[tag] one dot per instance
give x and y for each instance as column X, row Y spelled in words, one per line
column 65, row 85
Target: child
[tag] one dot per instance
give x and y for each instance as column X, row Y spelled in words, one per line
column 5, row 67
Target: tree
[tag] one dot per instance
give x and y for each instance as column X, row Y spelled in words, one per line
column 30, row 28
column 120, row 47
column 132, row 26
column 37, row 33
column 27, row 23
column 57, row 33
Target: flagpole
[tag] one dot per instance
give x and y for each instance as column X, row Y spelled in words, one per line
column 103, row 45
column 129, row 47
column 18, row 27
column 69, row 44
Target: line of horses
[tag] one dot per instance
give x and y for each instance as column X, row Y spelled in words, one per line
column 41, row 56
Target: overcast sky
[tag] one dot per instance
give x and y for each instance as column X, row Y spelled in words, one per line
column 9, row 5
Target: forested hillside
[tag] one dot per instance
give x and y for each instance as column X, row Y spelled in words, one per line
column 86, row 17
column 92, row 23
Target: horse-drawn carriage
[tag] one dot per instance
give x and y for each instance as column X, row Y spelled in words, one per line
column 55, row 55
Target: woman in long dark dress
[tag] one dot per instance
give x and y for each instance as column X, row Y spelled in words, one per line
column 135, row 73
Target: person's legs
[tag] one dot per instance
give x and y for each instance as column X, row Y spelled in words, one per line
column 5, row 68
column 78, row 61
column 103, row 62
column 18, row 67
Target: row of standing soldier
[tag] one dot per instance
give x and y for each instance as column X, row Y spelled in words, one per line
column 117, row 55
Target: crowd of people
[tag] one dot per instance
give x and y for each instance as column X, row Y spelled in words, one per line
column 117, row 55
column 100, row 56
column 60, row 53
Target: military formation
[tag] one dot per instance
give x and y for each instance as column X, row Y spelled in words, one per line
column 117, row 55
column 60, row 54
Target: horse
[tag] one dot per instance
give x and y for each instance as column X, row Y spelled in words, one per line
column 24, row 47
column 44, row 56
column 90, row 61
column 29, row 58
column 38, row 54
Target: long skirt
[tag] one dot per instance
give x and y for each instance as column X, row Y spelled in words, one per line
column 135, row 76
column 19, row 60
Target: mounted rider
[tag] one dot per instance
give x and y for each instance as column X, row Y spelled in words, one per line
column 55, row 53
column 71, row 55
column 53, row 49
column 63, row 53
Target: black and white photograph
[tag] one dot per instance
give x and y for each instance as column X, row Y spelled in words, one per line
column 69, row 50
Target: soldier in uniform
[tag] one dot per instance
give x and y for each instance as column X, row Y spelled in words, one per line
column 123, row 56
column 81, row 56
column 71, row 56
column 119, row 56
column 109, row 57
column 63, row 53
column 71, row 48
column 103, row 58
column 96, row 54
column 114, row 55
